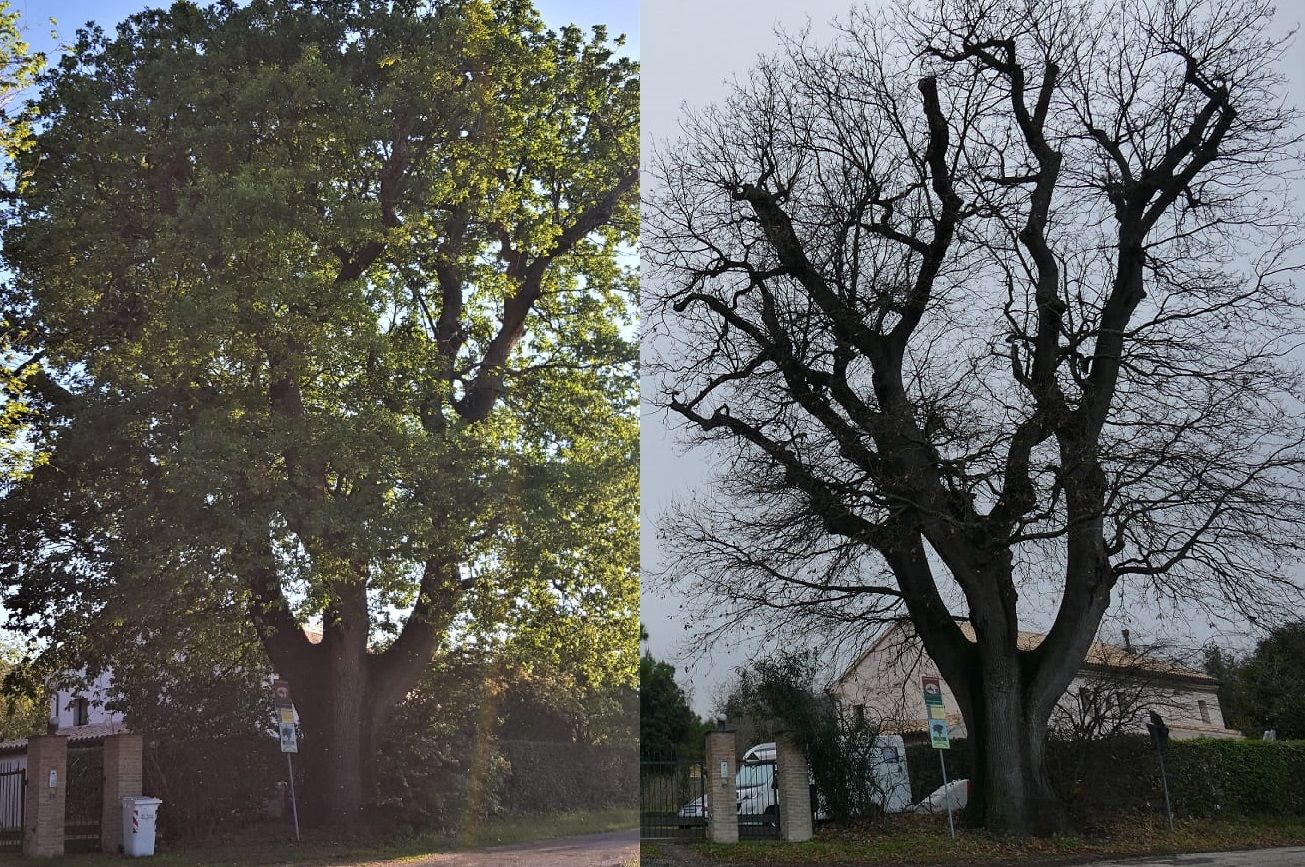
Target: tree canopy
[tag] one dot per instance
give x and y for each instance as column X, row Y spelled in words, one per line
column 667, row 725
column 328, row 307
column 18, row 68
column 983, row 303
column 1265, row 689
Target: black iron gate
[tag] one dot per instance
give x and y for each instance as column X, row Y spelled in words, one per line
column 85, row 794
column 672, row 799
column 13, row 789
column 758, row 799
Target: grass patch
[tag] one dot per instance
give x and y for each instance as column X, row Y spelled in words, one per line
column 494, row 832
column 909, row 842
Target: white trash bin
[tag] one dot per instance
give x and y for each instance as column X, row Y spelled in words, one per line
column 138, row 815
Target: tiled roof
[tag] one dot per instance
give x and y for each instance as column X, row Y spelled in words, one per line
column 1103, row 655
column 1099, row 655
column 75, row 734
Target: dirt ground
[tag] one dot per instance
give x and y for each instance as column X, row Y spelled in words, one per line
column 616, row 849
column 672, row 855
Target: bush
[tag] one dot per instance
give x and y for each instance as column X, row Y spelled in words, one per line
column 1103, row 779
column 779, row 694
column 547, row 776
column 438, row 763
column 211, row 784
column 1240, row 778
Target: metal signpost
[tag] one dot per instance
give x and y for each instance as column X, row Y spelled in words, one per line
column 1160, row 734
column 285, row 710
column 938, row 735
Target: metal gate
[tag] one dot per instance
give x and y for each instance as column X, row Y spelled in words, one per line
column 85, row 794
column 758, row 799
column 13, row 789
column 672, row 799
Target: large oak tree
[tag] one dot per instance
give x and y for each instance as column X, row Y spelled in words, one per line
column 326, row 312
column 986, row 306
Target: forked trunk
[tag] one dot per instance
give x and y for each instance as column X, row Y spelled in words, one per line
column 344, row 694
column 1010, row 789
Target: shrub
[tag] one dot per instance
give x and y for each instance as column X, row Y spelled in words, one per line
column 1102, row 779
column 546, row 776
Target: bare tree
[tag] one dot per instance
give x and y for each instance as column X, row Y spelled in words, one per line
column 1115, row 692
column 988, row 298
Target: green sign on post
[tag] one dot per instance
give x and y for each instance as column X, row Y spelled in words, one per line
column 939, row 738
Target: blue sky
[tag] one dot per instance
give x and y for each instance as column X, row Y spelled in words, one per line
column 620, row 16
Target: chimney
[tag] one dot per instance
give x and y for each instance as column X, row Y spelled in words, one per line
column 1128, row 645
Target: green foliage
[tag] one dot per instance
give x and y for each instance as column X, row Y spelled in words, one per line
column 545, row 776
column 327, row 290
column 1238, row 778
column 476, row 738
column 667, row 725
column 1208, row 777
column 200, row 698
column 1266, row 689
column 23, row 706
column 780, row 694
column 18, row 68
column 439, row 766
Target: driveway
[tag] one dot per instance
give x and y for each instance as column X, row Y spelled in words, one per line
column 1292, row 857
column 683, row 856
column 615, row 849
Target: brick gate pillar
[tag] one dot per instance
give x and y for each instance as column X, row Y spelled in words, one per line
column 794, row 790
column 723, row 822
column 124, row 772
column 46, row 796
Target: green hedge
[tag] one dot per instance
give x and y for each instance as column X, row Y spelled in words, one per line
column 1240, row 778
column 548, row 776
column 1207, row 777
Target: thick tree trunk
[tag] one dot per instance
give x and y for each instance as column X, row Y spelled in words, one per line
column 337, row 750
column 1011, row 790
column 344, row 693
column 1006, row 693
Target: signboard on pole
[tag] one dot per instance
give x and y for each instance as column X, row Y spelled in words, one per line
column 939, row 737
column 285, row 710
column 281, row 694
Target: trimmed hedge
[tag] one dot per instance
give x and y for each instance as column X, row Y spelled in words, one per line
column 548, row 776
column 1207, row 778
column 1241, row 778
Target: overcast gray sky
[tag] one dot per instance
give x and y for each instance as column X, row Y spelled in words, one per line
column 689, row 51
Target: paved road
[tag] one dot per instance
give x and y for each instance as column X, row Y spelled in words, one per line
column 682, row 856
column 617, row 849
column 1293, row 857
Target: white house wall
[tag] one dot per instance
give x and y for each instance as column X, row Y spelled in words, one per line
column 886, row 682
column 63, row 711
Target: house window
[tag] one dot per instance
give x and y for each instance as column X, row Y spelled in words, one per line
column 81, row 711
column 1205, row 711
